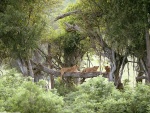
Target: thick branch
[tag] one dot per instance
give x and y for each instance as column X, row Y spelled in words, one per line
column 140, row 78
column 70, row 27
column 68, row 74
column 66, row 14
column 82, row 75
column 47, row 70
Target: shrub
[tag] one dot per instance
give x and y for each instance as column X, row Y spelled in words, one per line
column 17, row 94
column 89, row 97
column 99, row 96
column 62, row 88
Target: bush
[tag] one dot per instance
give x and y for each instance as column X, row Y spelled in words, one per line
column 17, row 94
column 62, row 88
column 99, row 96
column 89, row 97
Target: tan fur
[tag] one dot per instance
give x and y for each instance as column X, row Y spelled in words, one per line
column 68, row 69
column 90, row 69
column 107, row 68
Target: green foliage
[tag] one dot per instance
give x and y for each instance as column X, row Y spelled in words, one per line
column 62, row 88
column 69, row 47
column 71, row 43
column 17, row 94
column 89, row 97
column 121, row 23
column 22, row 24
column 99, row 96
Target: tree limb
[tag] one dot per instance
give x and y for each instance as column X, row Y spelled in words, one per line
column 68, row 74
column 66, row 14
column 70, row 27
column 140, row 78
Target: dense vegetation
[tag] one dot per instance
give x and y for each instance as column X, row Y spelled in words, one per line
column 20, row 94
column 97, row 95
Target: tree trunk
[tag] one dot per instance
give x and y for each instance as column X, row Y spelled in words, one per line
column 30, row 69
column 37, row 73
column 23, row 67
column 117, row 80
column 49, row 60
column 148, row 53
column 113, row 67
column 141, row 71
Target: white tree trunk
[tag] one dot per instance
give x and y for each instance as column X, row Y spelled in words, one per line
column 121, row 70
column 113, row 65
column 22, row 66
column 30, row 69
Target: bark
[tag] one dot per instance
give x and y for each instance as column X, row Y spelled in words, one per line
column 119, row 85
column 30, row 69
column 66, row 14
column 141, row 71
column 37, row 57
column 105, row 75
column 96, row 14
column 148, row 53
column 144, row 68
column 119, row 60
column 37, row 73
column 68, row 74
column 140, row 78
column 113, row 65
column 49, row 60
column 70, row 27
column 23, row 67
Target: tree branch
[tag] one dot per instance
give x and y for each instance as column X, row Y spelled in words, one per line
column 140, row 78
column 70, row 27
column 66, row 14
column 67, row 74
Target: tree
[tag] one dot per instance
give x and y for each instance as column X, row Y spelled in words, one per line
column 22, row 27
column 116, row 27
column 89, row 18
column 127, row 23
